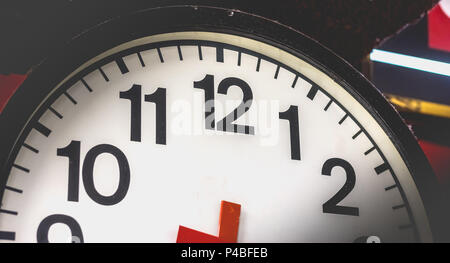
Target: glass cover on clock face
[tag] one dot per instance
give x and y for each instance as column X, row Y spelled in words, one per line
column 187, row 132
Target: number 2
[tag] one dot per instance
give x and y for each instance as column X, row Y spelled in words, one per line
column 331, row 205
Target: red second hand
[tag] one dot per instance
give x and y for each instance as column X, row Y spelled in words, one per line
column 228, row 227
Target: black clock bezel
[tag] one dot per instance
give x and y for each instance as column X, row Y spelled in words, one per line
column 110, row 34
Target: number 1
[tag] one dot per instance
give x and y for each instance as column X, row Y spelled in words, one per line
column 291, row 115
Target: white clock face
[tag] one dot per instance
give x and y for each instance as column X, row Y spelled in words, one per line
column 141, row 145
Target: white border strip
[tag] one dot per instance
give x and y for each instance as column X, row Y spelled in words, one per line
column 407, row 61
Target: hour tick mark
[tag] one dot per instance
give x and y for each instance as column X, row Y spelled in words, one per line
column 121, row 64
column 239, row 58
column 312, row 92
column 219, row 54
column 381, row 168
column 6, row 235
column 42, row 129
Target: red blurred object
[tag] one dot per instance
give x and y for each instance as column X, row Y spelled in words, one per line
column 438, row 29
column 439, row 157
column 187, row 235
column 9, row 85
column 228, row 227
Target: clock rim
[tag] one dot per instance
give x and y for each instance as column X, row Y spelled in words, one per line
column 201, row 18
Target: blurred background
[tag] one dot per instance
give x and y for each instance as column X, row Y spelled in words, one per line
column 412, row 69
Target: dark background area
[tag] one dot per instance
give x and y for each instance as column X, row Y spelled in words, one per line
column 31, row 30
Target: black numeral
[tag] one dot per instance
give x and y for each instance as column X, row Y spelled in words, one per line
column 135, row 96
column 88, row 174
column 44, row 227
column 331, row 205
column 226, row 124
column 159, row 98
column 291, row 115
column 207, row 84
column 73, row 152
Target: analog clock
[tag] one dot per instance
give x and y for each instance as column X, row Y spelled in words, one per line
column 170, row 123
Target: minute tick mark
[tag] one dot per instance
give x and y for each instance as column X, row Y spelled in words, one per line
column 7, row 235
column 343, row 119
column 328, row 105
column 277, row 72
column 103, row 74
column 390, row 187
column 13, row 189
column 160, row 55
column 140, row 59
column 369, row 151
column 200, row 55
column 295, row 81
column 55, row 112
column 258, row 64
column 30, row 148
column 26, row 170
column 180, row 55
column 74, row 102
column 86, row 85
column 357, row 134
column 398, row 206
